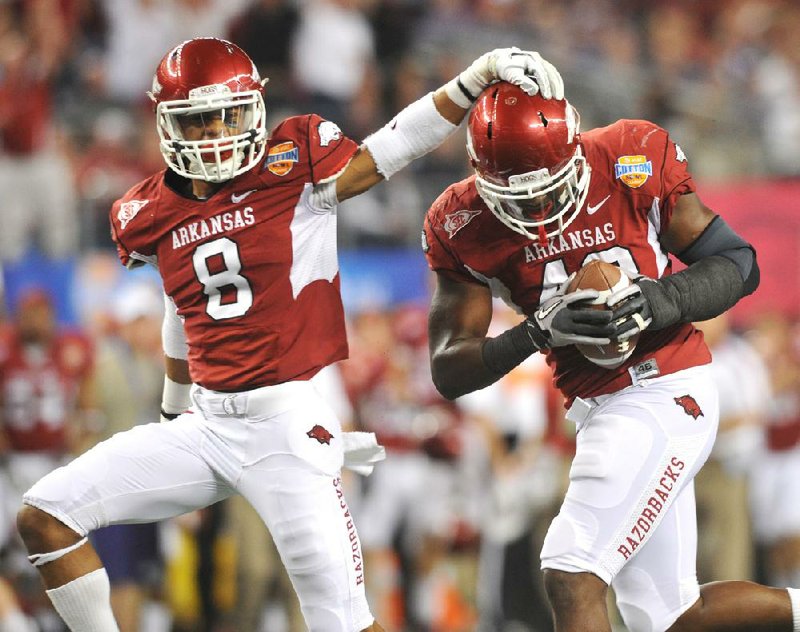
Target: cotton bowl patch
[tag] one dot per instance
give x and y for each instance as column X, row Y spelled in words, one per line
column 281, row 158
column 633, row 170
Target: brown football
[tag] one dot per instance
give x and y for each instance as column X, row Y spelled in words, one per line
column 606, row 278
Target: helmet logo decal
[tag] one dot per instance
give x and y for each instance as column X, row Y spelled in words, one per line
column 129, row 210
column 281, row 158
column 203, row 91
column 328, row 132
column 633, row 170
column 532, row 177
column 454, row 222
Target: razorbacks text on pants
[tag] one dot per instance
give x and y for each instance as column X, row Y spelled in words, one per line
column 653, row 508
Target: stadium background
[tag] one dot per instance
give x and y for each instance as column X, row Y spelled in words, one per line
column 723, row 76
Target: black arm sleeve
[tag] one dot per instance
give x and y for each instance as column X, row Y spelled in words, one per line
column 720, row 239
column 722, row 269
column 504, row 352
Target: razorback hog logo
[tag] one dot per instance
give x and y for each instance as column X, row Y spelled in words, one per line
column 129, row 210
column 328, row 132
column 454, row 222
column 689, row 405
column 320, row 434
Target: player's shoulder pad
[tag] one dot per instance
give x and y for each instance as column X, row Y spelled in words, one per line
column 626, row 137
column 462, row 194
column 311, row 142
column 632, row 152
column 136, row 207
column 133, row 216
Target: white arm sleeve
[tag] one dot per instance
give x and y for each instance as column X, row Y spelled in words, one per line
column 173, row 338
column 415, row 131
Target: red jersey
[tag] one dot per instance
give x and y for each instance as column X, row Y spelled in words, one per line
column 38, row 389
column 637, row 174
column 253, row 269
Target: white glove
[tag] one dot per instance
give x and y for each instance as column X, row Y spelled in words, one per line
column 529, row 70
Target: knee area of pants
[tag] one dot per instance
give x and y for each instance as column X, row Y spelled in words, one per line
column 301, row 552
column 637, row 619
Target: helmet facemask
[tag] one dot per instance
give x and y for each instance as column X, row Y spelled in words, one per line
column 215, row 134
column 537, row 204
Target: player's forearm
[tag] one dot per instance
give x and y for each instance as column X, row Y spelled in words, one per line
column 177, row 383
column 702, row 291
column 459, row 368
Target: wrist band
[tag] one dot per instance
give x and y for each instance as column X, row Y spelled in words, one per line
column 415, row 131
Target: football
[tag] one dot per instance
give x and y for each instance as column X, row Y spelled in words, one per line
column 607, row 279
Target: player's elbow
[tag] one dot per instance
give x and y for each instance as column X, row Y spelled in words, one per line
column 444, row 381
column 753, row 279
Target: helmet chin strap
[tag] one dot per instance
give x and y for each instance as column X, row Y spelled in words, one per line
column 542, row 234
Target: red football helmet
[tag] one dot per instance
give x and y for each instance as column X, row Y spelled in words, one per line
column 530, row 166
column 210, row 110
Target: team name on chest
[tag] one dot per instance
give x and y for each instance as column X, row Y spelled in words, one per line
column 222, row 223
column 585, row 238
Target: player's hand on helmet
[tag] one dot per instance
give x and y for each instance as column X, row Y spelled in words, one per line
column 526, row 69
column 631, row 311
column 561, row 321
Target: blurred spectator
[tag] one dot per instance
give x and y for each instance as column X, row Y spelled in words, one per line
column 333, row 64
column 265, row 30
column 725, row 545
column 775, row 481
column 111, row 164
column 38, row 200
column 140, row 30
column 128, row 381
column 12, row 619
column 46, row 408
column 777, row 84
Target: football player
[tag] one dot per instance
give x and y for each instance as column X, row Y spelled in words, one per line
column 544, row 200
column 242, row 229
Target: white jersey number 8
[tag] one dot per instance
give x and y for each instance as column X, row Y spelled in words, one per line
column 213, row 283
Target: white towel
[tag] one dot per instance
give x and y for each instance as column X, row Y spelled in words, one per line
column 362, row 452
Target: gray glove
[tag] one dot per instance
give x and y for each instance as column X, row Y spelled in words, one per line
column 560, row 321
column 631, row 309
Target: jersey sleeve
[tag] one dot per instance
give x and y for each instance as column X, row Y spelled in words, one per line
column 132, row 219
column 435, row 245
column 676, row 180
column 327, row 150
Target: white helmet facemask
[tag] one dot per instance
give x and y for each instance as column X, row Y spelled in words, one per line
column 215, row 134
column 537, row 204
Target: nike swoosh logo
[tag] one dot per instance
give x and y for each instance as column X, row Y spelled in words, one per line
column 238, row 198
column 591, row 210
column 542, row 313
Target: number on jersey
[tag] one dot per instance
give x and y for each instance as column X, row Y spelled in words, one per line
column 214, row 282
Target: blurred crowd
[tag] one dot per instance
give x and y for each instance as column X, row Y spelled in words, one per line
column 722, row 75
column 451, row 523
